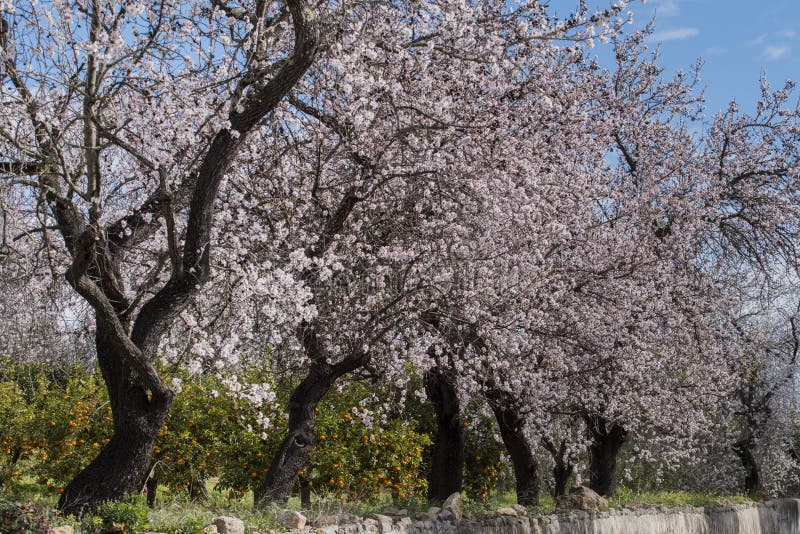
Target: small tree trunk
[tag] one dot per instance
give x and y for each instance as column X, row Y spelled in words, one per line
column 152, row 488
column 197, row 489
column 607, row 440
column 305, row 492
column 512, row 425
column 447, row 462
column 562, row 468
column 744, row 450
column 561, row 474
column 293, row 452
column 123, row 465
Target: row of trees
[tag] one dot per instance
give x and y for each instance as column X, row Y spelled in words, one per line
column 356, row 189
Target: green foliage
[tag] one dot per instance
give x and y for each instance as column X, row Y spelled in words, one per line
column 27, row 517
column 354, row 459
column 486, row 468
column 127, row 515
column 629, row 498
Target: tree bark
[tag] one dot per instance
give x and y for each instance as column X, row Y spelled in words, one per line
column 512, row 426
column 447, row 462
column 152, row 489
column 752, row 480
column 561, row 474
column 293, row 452
column 305, row 493
column 138, row 413
column 562, row 468
column 607, row 440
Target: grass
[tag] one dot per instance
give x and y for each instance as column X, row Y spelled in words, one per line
column 628, row 498
column 176, row 514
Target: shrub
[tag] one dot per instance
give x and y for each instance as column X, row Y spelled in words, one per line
column 129, row 514
column 26, row 517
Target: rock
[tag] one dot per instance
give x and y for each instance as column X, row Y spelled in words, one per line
column 228, row 525
column 210, row 529
column 446, row 515
column 433, row 510
column 330, row 529
column 455, row 504
column 507, row 511
column 423, row 516
column 384, row 522
column 394, row 512
column 405, row 521
column 291, row 519
column 335, row 519
column 521, row 510
column 66, row 529
column 581, row 498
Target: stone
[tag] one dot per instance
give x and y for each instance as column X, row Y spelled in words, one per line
column 405, row 521
column 210, row 529
column 455, row 504
column 228, row 525
column 384, row 522
column 66, row 529
column 446, row 515
column 330, row 529
column 291, row 519
column 581, row 498
column 521, row 510
column 433, row 510
column 507, row 511
column 422, row 516
column 335, row 519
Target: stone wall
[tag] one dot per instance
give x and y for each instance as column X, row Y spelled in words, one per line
column 772, row 517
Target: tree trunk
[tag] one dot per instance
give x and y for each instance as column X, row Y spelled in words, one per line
column 197, row 489
column 744, row 450
column 607, row 440
column 305, row 493
column 123, row 465
column 447, row 462
column 512, row 426
column 561, row 474
column 293, row 452
column 152, row 488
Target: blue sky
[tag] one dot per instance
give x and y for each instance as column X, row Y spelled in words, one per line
column 737, row 40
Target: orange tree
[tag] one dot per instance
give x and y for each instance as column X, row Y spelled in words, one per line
column 486, row 468
column 56, row 417
column 351, row 458
column 16, row 444
column 356, row 459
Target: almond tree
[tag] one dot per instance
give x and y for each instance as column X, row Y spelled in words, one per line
column 120, row 122
column 390, row 152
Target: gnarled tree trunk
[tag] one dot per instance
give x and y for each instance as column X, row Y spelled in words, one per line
column 562, row 468
column 447, row 462
column 292, row 455
column 744, row 450
column 138, row 414
column 512, row 427
column 607, row 440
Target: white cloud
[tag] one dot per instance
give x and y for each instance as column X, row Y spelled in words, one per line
column 674, row 35
column 774, row 53
column 714, row 51
column 666, row 8
column 758, row 40
column 787, row 34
